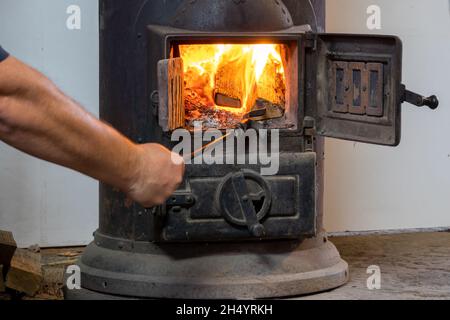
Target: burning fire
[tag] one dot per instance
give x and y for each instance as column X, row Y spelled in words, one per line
column 229, row 78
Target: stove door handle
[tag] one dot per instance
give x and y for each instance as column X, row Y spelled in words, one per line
column 245, row 203
column 418, row 100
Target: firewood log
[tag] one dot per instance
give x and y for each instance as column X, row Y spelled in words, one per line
column 232, row 87
column 25, row 272
column 7, row 247
column 271, row 86
column 171, row 94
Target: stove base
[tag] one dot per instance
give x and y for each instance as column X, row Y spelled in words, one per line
column 212, row 271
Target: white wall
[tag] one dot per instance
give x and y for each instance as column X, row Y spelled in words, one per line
column 370, row 187
column 367, row 187
column 42, row 203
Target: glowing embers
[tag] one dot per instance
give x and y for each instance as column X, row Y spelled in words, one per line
column 223, row 82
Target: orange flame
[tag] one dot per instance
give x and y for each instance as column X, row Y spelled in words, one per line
column 244, row 70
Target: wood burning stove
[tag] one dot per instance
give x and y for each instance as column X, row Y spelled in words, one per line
column 230, row 232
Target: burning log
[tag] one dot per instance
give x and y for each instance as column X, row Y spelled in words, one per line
column 271, row 85
column 241, row 77
column 234, row 90
column 230, row 102
column 171, row 90
column 271, row 110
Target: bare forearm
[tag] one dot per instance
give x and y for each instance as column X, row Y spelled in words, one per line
column 38, row 119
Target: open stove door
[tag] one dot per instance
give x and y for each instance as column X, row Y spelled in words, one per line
column 355, row 82
column 358, row 87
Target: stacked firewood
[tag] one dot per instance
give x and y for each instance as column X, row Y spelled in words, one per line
column 20, row 268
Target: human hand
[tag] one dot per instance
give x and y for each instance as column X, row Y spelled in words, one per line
column 157, row 175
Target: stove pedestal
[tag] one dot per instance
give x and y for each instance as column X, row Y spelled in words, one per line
column 211, row 271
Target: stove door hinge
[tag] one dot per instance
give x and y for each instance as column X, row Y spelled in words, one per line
column 181, row 200
column 311, row 41
column 309, row 133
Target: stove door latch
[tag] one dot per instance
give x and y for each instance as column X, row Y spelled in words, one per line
column 244, row 199
column 309, row 133
column 418, row 100
column 245, row 203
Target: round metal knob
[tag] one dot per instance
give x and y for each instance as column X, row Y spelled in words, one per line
column 258, row 230
column 432, row 102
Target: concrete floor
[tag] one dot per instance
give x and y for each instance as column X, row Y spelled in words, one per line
column 413, row 266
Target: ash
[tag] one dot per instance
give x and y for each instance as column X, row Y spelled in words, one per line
column 211, row 116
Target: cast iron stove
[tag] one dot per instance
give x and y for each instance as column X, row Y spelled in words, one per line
column 229, row 231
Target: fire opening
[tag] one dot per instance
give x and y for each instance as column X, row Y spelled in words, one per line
column 223, row 82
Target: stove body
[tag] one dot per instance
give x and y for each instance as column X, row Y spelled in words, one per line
column 204, row 243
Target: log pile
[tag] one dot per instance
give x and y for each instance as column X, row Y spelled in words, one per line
column 20, row 269
column 25, row 272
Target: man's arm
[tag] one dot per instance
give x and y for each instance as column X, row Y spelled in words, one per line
column 35, row 117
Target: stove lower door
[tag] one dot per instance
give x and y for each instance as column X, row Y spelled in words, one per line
column 232, row 202
column 355, row 87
